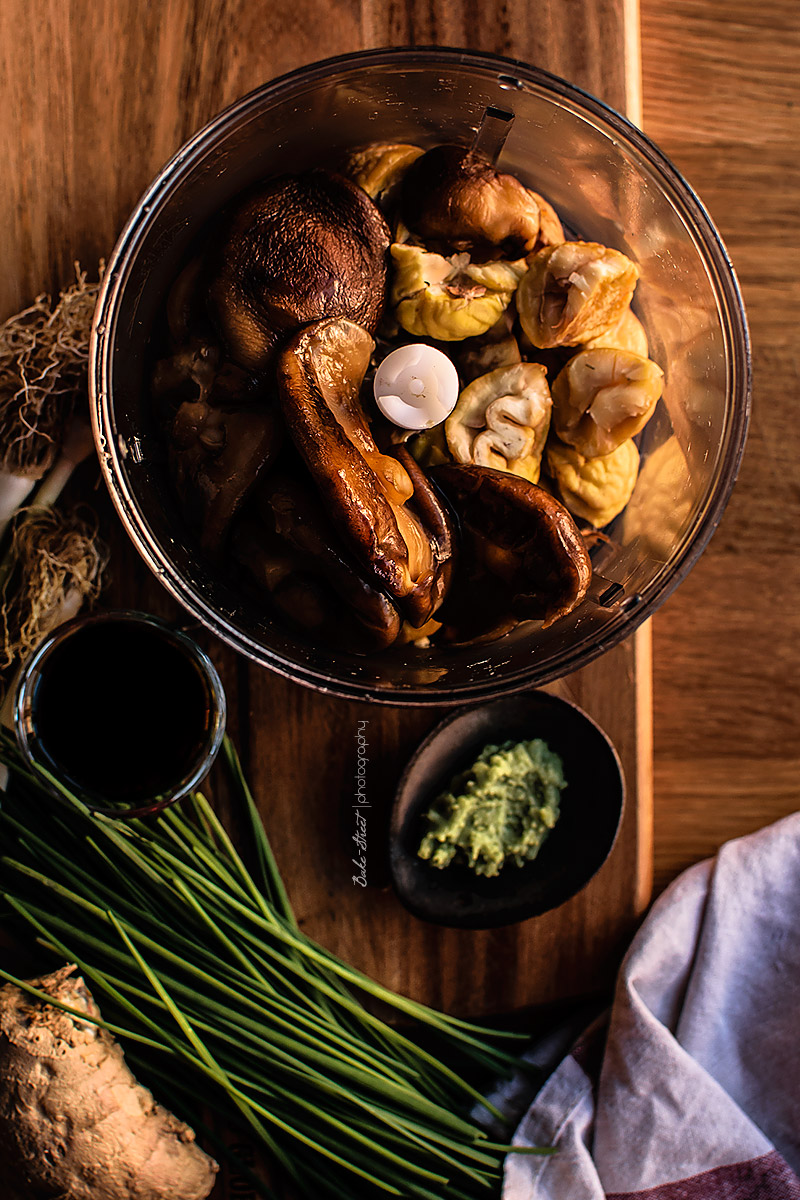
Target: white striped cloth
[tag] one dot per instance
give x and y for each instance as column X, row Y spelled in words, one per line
column 691, row 1089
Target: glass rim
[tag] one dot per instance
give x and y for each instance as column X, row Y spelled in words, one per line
column 715, row 258
column 31, row 673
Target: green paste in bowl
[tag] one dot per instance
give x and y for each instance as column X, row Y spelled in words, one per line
column 499, row 810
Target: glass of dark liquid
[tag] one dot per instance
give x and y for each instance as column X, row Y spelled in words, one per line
column 125, row 711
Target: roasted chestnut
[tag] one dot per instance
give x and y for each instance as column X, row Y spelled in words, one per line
column 573, row 292
column 501, row 420
column 594, row 489
column 379, row 169
column 603, row 397
column 450, row 298
column 627, row 334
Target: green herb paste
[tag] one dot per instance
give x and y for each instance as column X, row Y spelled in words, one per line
column 499, row 810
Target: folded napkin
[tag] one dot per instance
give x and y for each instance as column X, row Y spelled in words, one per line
column 691, row 1091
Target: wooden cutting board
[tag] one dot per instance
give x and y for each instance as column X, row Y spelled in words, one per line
column 302, row 748
column 88, row 133
column 96, row 99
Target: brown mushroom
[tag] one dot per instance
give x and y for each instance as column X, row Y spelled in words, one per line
column 296, row 555
column 187, row 374
column 522, row 555
column 454, row 196
column 387, row 514
column 197, row 371
column 298, row 517
column 299, row 596
column 551, row 231
column 185, row 310
column 216, row 456
column 301, row 248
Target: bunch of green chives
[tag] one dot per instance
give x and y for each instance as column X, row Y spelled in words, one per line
column 200, row 968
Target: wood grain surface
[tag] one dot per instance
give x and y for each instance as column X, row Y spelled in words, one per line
column 96, row 97
column 722, row 97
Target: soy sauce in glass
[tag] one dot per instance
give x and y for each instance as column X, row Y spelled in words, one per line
column 124, row 710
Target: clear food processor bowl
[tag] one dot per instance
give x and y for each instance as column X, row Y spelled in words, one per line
column 609, row 184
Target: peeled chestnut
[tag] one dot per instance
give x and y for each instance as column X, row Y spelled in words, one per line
column 301, row 248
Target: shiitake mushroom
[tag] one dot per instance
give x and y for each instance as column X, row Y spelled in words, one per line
column 453, row 196
column 386, row 512
column 300, row 248
column 216, row 455
column 185, row 311
column 293, row 552
column 186, row 374
column 196, row 370
column 522, row 555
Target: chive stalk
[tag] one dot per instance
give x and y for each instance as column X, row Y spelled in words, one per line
column 202, row 965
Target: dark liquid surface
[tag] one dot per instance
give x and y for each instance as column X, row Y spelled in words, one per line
column 121, row 711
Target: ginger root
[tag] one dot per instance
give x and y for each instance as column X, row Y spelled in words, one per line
column 74, row 1123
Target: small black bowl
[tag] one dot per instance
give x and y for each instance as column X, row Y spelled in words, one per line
column 591, row 810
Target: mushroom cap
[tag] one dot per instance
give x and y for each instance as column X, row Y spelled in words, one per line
column 520, row 539
column 294, row 551
column 216, row 456
column 454, row 196
column 301, row 248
